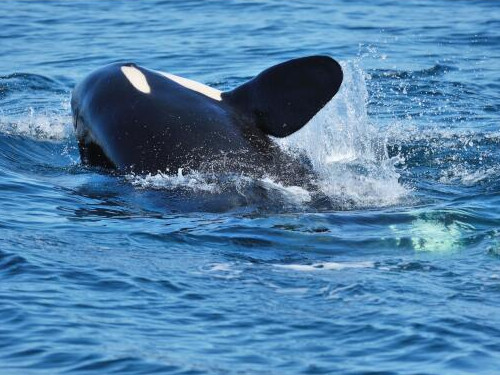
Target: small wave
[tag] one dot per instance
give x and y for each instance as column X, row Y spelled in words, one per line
column 12, row 265
column 37, row 125
column 16, row 82
column 401, row 135
column 434, row 71
column 226, row 271
column 193, row 181
column 326, row 266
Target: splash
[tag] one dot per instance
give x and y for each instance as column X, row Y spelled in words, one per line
column 34, row 106
column 38, row 125
column 347, row 151
column 468, row 176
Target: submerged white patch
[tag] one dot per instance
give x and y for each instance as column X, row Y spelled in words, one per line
column 195, row 86
column 136, row 78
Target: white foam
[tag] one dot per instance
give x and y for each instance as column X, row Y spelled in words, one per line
column 193, row 181
column 226, row 271
column 468, row 176
column 326, row 266
column 208, row 183
column 136, row 78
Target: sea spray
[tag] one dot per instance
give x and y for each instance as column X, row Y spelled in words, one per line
column 347, row 151
column 37, row 124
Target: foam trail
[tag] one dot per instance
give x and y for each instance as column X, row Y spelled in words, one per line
column 193, row 181
column 347, row 151
column 205, row 183
column 326, row 266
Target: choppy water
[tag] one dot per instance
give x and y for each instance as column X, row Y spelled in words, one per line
column 196, row 274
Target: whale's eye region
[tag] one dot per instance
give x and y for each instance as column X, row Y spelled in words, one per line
column 136, row 79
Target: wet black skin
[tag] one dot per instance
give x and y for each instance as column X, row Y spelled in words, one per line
column 121, row 128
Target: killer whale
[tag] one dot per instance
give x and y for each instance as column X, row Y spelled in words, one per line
column 130, row 118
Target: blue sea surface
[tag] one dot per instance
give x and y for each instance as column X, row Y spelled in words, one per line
column 397, row 272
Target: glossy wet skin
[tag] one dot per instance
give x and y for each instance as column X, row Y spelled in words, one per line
column 163, row 124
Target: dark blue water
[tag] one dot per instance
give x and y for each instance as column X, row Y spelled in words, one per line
column 196, row 274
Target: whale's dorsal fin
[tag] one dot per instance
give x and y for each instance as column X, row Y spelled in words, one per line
column 283, row 98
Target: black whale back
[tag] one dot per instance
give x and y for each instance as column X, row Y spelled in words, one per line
column 173, row 127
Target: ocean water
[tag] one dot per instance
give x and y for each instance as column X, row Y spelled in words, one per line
column 397, row 272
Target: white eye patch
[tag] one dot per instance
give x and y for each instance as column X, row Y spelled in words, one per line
column 195, row 86
column 136, row 78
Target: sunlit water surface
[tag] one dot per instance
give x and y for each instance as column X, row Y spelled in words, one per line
column 392, row 267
